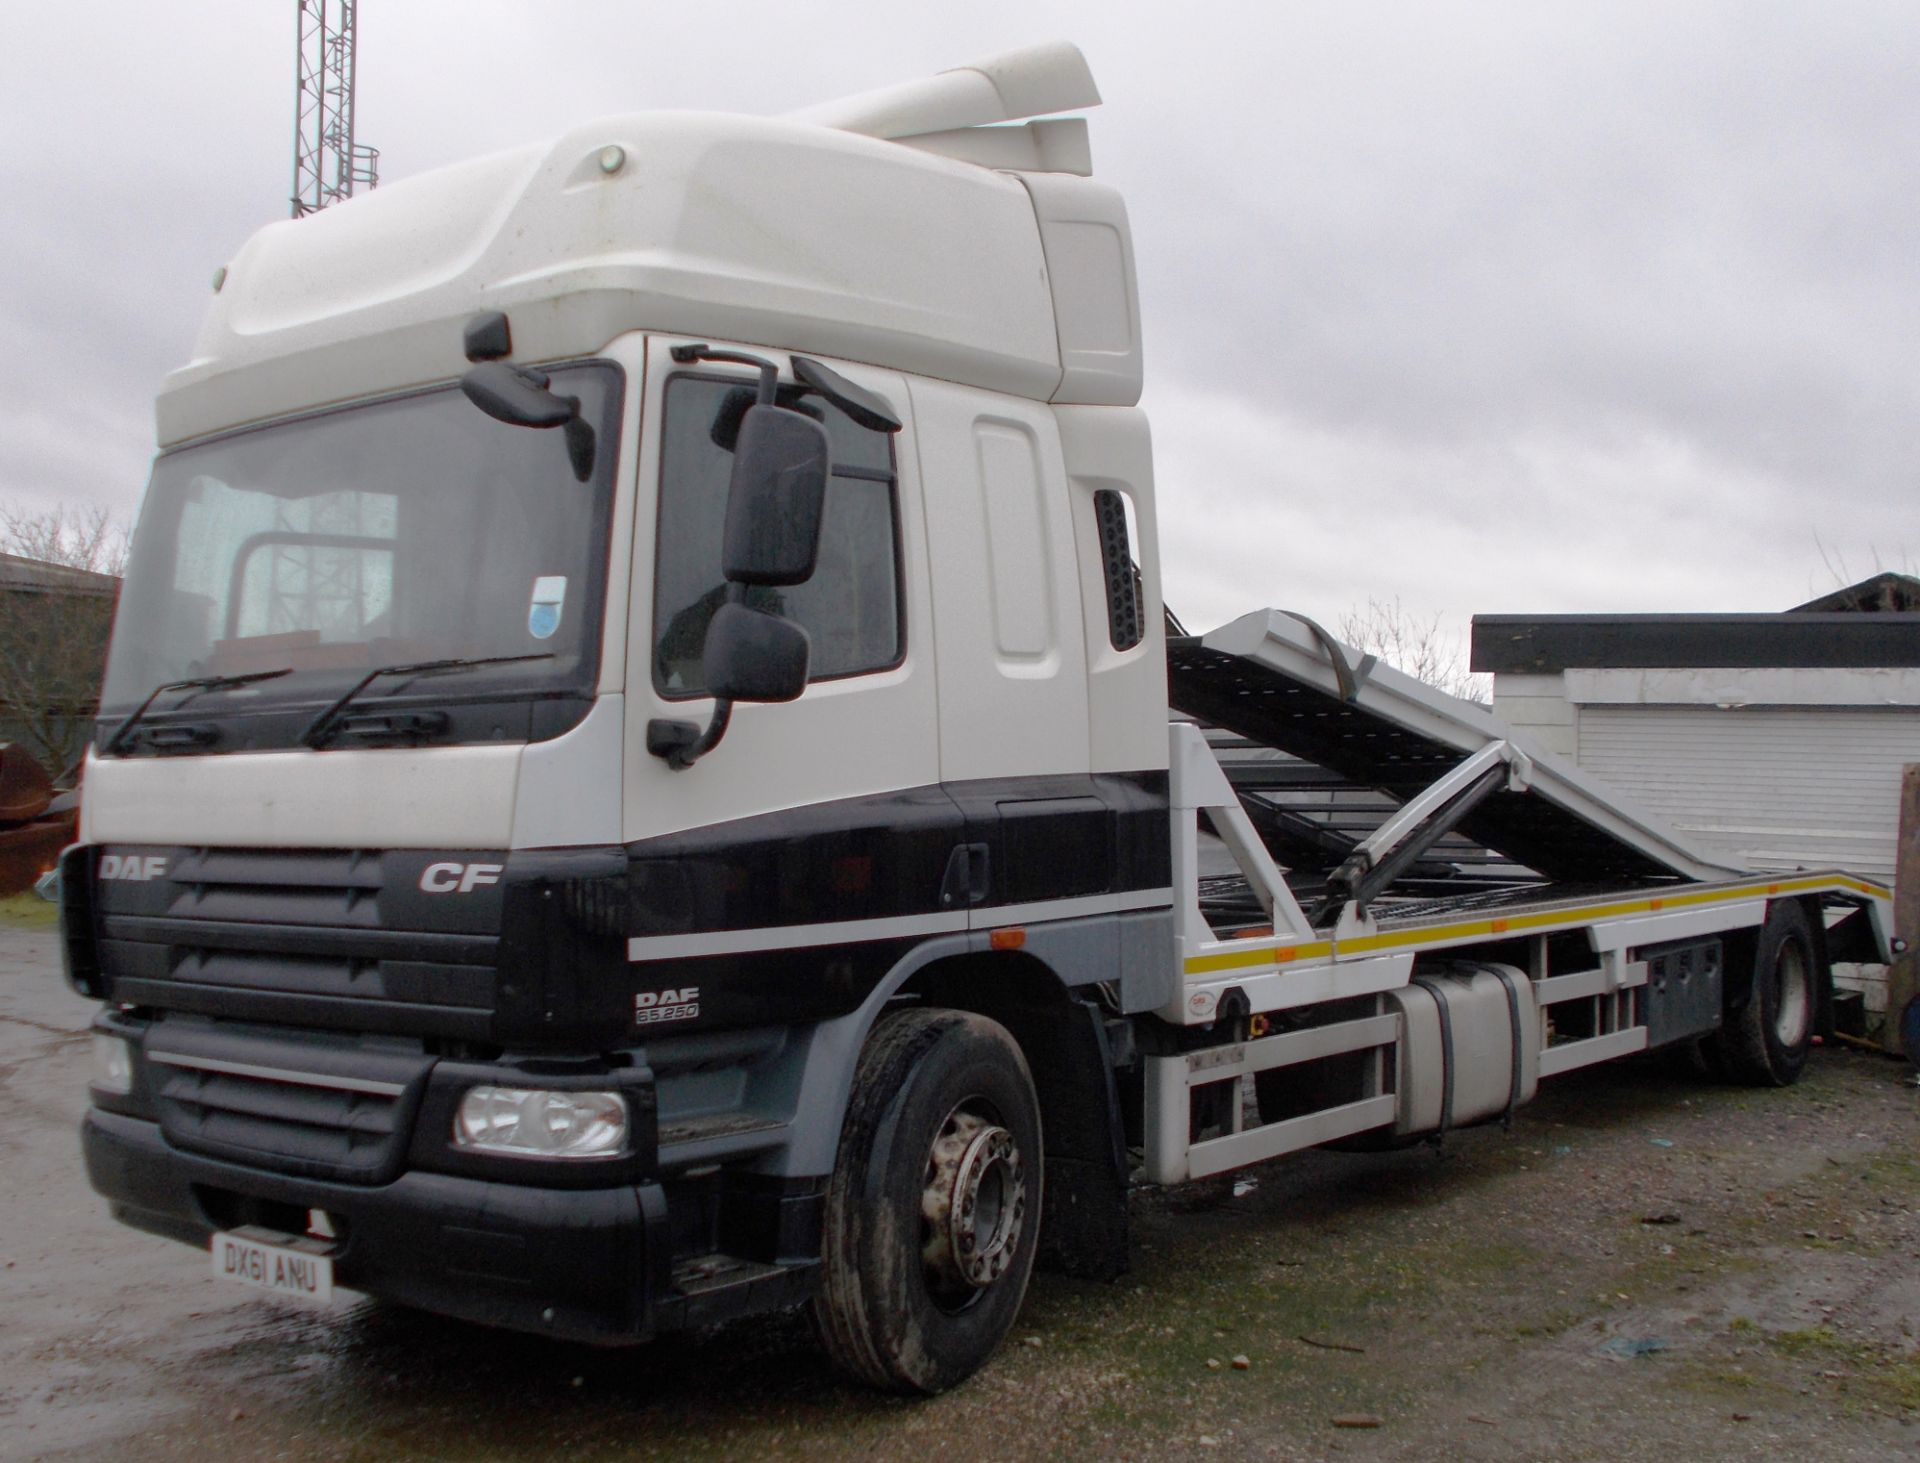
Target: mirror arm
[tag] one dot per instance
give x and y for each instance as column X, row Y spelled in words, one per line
column 686, row 355
column 681, row 743
column 685, row 757
column 519, row 396
column 577, row 432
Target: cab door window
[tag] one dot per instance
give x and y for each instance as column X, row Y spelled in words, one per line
column 850, row 608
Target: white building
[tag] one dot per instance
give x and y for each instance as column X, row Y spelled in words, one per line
column 1778, row 740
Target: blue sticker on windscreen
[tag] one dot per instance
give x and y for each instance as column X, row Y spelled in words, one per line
column 549, row 598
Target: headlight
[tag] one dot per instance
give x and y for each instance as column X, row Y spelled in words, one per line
column 112, row 1065
column 531, row 1123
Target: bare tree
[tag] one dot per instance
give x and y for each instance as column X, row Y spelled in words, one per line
column 58, row 588
column 1847, row 576
column 1421, row 648
column 72, row 536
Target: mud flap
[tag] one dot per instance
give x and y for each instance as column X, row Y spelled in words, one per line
column 1084, row 1229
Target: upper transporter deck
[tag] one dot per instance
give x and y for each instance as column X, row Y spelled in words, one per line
column 1278, row 681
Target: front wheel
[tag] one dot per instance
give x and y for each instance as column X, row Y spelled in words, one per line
column 933, row 1210
column 1766, row 1043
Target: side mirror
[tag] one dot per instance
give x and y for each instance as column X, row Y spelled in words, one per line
column 754, row 656
column 776, row 499
column 775, row 504
column 520, row 398
column 750, row 656
column 514, row 395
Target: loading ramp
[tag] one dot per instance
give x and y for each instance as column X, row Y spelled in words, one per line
column 1467, row 811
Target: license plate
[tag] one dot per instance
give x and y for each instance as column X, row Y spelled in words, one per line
column 300, row 1268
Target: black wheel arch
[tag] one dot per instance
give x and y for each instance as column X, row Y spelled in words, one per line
column 1062, row 1034
column 1740, row 947
column 1763, row 1041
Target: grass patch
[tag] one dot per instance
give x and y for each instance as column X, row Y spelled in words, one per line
column 1811, row 1341
column 1552, row 1323
column 1727, row 1380
column 1894, row 1171
column 28, row 911
column 1880, row 1376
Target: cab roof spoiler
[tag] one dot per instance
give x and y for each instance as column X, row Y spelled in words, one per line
column 962, row 113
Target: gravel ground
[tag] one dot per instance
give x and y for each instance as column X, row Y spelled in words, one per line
column 1645, row 1266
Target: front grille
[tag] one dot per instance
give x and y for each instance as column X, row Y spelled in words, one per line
column 340, row 1110
column 303, row 937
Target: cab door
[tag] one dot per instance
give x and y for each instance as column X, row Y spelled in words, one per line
column 866, row 726
column 1014, row 743
column 1013, row 667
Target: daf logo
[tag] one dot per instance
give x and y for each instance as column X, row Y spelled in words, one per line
column 132, row 867
column 458, row 878
column 650, row 1008
column 686, row 995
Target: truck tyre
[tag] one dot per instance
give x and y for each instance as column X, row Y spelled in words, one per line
column 1765, row 1044
column 933, row 1209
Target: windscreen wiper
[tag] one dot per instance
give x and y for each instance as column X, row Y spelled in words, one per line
column 197, row 685
column 321, row 729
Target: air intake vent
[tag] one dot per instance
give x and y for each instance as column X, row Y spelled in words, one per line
column 287, row 1104
column 1123, row 579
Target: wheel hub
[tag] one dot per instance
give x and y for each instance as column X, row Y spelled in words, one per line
column 1794, row 995
column 974, row 1204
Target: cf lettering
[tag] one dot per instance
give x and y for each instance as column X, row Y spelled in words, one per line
column 458, row 878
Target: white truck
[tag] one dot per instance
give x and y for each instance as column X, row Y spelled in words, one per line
column 635, row 783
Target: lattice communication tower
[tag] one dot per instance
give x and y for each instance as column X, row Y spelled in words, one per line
column 327, row 163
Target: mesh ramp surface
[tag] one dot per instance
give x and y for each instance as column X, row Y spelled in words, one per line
column 1267, row 678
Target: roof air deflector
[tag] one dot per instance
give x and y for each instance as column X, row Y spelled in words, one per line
column 1010, row 87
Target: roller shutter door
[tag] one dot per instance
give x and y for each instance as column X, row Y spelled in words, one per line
column 1772, row 787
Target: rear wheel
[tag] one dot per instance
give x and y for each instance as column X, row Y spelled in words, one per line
column 933, row 1210
column 1766, row 1043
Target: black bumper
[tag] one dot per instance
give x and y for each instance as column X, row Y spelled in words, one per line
column 580, row 1264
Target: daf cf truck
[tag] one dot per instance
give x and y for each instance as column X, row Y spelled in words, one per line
column 635, row 783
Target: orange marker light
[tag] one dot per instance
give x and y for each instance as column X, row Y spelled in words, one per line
column 1008, row 939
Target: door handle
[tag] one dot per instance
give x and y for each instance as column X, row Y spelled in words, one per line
column 968, row 879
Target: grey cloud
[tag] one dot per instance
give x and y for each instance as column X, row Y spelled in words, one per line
column 1639, row 233
column 1583, row 306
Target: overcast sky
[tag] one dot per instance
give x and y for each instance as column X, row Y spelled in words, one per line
column 1510, row 308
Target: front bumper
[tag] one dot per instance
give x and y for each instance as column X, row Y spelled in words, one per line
column 583, row 1264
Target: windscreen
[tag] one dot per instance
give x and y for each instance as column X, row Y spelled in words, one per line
column 410, row 529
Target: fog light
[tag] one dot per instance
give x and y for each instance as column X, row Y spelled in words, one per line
column 112, row 1065
column 530, row 1123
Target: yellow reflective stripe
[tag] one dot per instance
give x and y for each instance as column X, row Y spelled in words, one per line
column 1260, row 955
column 1282, row 954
